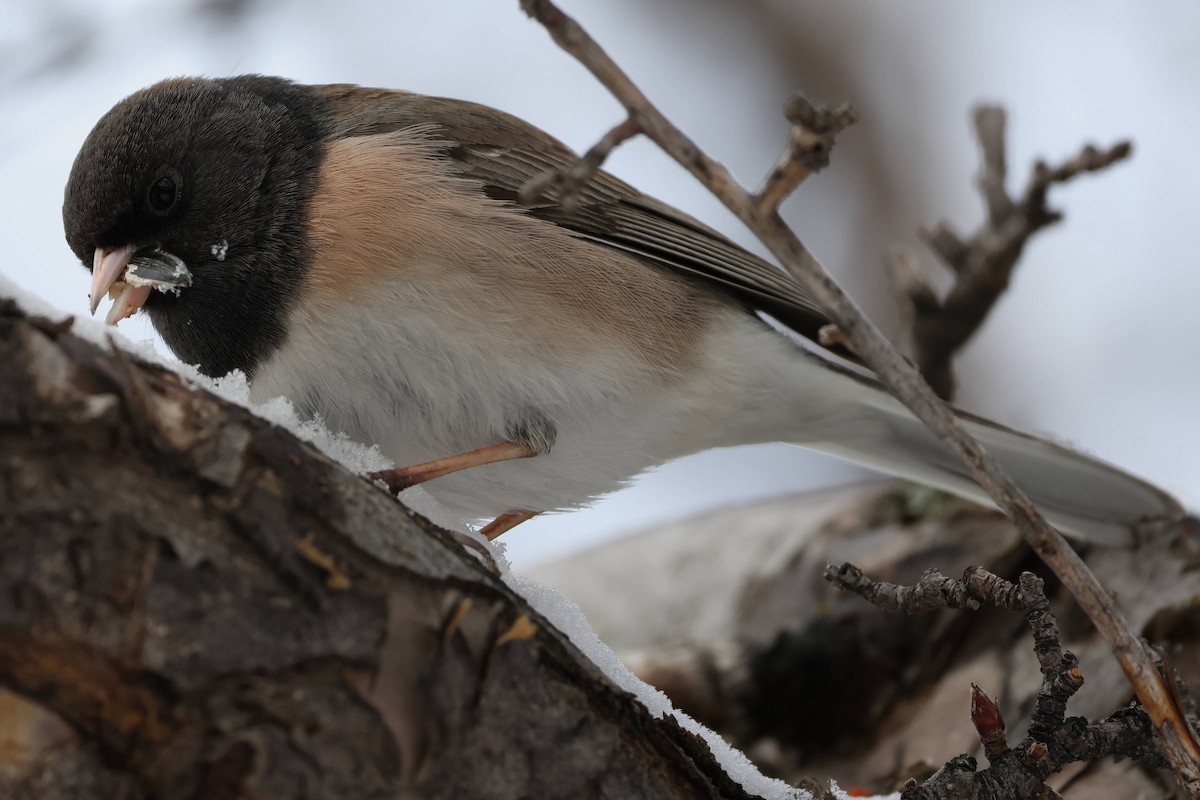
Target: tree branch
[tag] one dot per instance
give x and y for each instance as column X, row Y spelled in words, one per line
column 903, row 381
column 810, row 142
column 1054, row 740
column 983, row 264
column 199, row 605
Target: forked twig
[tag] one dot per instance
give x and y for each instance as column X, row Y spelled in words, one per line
column 1054, row 740
column 983, row 263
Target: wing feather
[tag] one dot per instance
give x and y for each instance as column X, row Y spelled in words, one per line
column 502, row 153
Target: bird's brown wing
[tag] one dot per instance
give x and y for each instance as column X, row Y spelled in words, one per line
column 503, row 153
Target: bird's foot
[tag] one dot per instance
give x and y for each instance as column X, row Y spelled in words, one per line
column 506, row 522
column 400, row 478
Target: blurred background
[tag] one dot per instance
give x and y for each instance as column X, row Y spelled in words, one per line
column 1097, row 343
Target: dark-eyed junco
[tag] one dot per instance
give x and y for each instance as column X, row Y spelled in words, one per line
column 365, row 253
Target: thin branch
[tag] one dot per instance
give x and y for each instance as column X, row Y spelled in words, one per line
column 830, row 337
column 990, row 122
column 1054, row 740
column 810, row 142
column 903, row 381
column 570, row 181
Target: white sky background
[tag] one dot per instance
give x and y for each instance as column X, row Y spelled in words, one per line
column 1098, row 341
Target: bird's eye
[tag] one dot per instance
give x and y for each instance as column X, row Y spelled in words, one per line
column 164, row 193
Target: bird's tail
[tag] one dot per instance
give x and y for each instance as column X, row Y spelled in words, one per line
column 1078, row 494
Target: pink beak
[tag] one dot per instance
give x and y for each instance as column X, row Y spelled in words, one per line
column 108, row 267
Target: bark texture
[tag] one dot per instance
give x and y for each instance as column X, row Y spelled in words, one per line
column 195, row 604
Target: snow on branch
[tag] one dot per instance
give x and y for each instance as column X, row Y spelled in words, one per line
column 195, row 603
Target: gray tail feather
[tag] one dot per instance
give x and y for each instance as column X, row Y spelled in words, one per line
column 1077, row 493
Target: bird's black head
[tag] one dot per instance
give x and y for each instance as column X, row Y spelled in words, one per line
column 218, row 173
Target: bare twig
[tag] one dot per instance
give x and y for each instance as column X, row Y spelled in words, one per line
column 810, row 142
column 990, row 122
column 571, row 180
column 1054, row 740
column 830, row 336
column 902, row 380
column 984, row 263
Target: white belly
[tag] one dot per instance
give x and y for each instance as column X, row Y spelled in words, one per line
column 404, row 370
